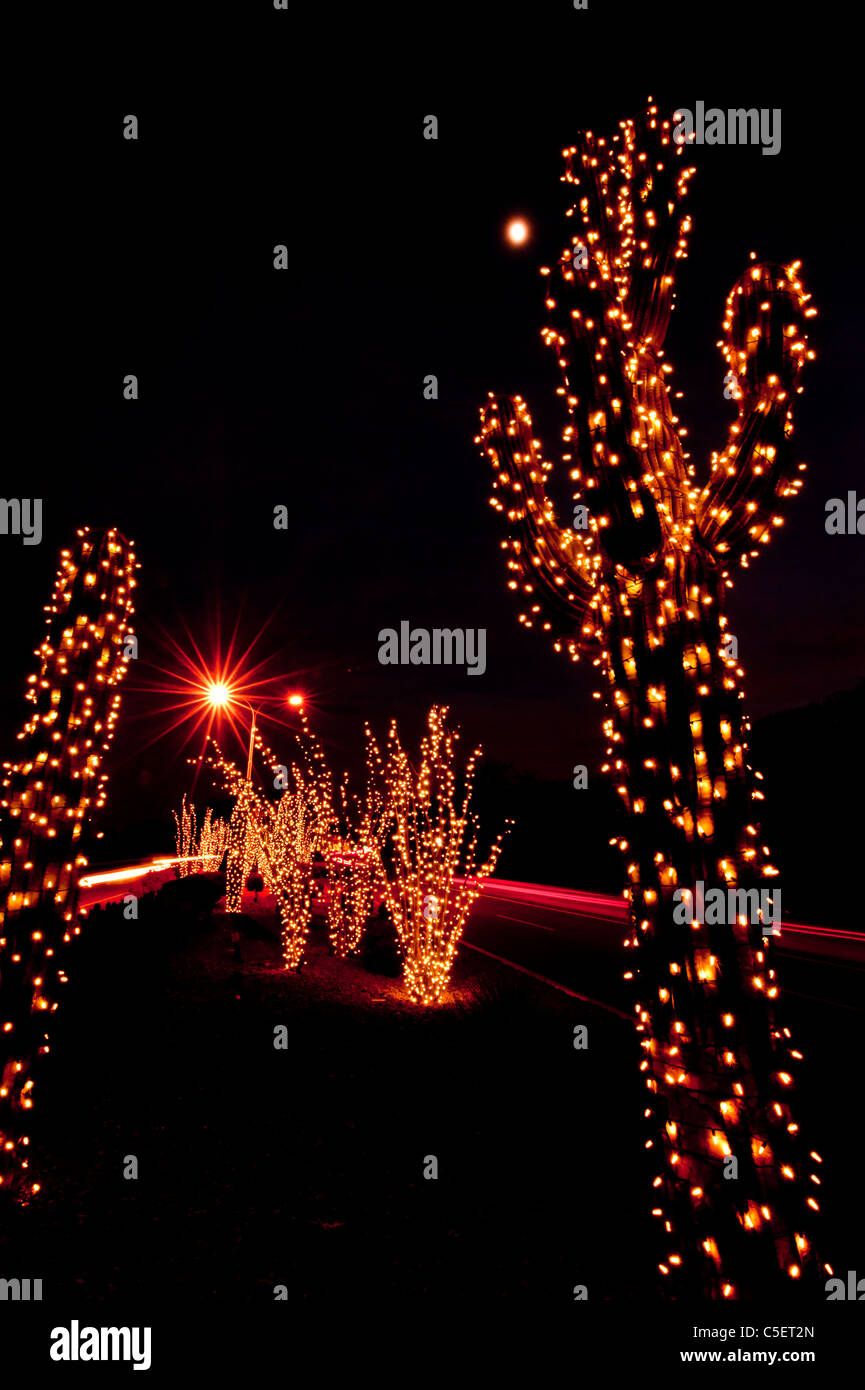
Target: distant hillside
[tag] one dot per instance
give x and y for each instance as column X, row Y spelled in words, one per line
column 813, row 764
column 560, row 835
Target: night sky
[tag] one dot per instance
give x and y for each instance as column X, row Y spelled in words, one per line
column 304, row 387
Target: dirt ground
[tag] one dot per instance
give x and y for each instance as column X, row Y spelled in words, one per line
column 304, row 1167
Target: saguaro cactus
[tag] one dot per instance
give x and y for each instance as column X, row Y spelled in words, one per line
column 639, row 583
column 50, row 796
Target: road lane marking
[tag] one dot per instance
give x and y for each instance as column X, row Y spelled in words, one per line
column 505, row 918
column 554, row 984
column 813, row 959
column 565, row 911
column 816, row 999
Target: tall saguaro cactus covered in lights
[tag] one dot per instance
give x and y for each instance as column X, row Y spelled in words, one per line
column 50, row 796
column 639, row 584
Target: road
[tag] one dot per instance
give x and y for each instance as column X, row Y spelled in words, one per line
column 573, row 940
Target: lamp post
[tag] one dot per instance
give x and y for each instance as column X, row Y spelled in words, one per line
column 220, row 695
column 253, row 712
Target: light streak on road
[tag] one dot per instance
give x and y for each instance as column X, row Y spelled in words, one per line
column 137, row 870
column 606, row 907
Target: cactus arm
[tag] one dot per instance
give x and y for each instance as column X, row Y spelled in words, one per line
column 553, row 567
column 765, row 346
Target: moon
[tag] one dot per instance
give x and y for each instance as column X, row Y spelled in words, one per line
column 517, row 231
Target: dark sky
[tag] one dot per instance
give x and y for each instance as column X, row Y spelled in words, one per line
column 304, row 387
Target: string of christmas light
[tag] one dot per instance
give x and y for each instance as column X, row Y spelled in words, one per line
column 284, row 843
column 184, row 837
column 278, row 840
column 198, row 852
column 241, row 838
column 433, row 876
column 212, row 842
column 336, row 857
column 318, row 780
column 349, row 870
column 639, row 583
column 422, row 816
column 317, row 777
column 302, row 826
column 241, row 847
column 50, row 796
column 352, row 867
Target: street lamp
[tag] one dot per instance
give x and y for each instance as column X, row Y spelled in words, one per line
column 219, row 695
column 253, row 711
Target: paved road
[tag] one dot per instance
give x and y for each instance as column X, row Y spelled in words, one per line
column 575, row 939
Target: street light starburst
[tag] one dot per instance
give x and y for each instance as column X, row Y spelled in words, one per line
column 218, row 695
